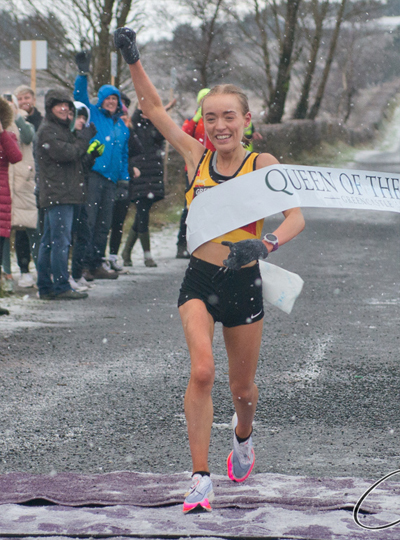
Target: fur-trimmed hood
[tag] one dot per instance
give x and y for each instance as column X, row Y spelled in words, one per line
column 6, row 113
column 57, row 95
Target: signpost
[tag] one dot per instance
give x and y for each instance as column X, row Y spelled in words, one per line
column 33, row 56
column 114, row 67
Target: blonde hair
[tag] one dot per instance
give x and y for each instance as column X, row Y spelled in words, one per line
column 231, row 89
column 23, row 89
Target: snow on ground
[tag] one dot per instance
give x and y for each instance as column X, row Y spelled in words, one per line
column 23, row 307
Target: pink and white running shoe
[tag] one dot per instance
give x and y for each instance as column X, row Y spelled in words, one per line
column 200, row 495
column 241, row 460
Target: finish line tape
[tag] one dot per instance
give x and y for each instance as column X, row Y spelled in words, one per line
column 277, row 188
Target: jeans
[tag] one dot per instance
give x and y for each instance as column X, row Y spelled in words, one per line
column 80, row 239
column 100, row 204
column 54, row 249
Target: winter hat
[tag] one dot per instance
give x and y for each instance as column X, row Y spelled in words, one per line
column 57, row 95
column 82, row 112
column 203, row 92
column 125, row 99
column 6, row 113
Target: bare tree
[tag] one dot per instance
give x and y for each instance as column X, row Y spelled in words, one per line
column 278, row 97
column 321, row 87
column 319, row 12
column 201, row 47
column 270, row 31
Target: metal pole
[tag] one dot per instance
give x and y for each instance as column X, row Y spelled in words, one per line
column 33, row 66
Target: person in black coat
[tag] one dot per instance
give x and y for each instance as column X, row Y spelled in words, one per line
column 124, row 191
column 148, row 187
column 59, row 154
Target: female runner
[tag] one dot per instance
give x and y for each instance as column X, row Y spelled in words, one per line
column 222, row 282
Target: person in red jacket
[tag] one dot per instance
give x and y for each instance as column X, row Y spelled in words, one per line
column 9, row 153
column 195, row 128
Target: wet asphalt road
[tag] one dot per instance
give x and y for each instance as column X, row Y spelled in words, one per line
column 97, row 385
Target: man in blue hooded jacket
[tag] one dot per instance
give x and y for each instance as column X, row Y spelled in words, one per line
column 109, row 169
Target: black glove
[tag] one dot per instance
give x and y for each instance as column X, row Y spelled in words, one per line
column 87, row 133
column 82, row 60
column 122, row 192
column 244, row 252
column 125, row 40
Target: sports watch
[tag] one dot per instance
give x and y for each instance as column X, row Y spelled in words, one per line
column 271, row 239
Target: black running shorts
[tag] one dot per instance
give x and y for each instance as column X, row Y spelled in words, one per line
column 232, row 297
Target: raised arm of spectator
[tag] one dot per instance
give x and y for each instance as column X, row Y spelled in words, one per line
column 81, row 90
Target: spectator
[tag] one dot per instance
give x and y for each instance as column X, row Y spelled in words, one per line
column 22, row 185
column 149, row 187
column 80, row 227
column 125, row 100
column 61, row 186
column 24, row 241
column 9, row 153
column 251, row 135
column 27, row 101
column 108, row 169
column 124, row 192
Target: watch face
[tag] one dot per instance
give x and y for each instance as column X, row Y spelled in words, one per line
column 271, row 238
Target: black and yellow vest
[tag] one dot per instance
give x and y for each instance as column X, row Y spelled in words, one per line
column 207, row 177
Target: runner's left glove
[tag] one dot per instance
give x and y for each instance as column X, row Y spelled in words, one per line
column 125, row 40
column 244, row 252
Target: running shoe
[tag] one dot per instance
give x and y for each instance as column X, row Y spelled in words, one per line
column 199, row 496
column 26, row 281
column 113, row 263
column 241, row 460
column 76, row 286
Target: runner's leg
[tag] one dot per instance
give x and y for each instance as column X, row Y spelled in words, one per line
column 243, row 347
column 198, row 326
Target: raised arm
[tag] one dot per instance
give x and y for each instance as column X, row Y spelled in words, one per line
column 150, row 102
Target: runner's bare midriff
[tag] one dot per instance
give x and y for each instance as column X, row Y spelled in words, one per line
column 214, row 253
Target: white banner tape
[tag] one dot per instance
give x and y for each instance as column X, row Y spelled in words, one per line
column 273, row 189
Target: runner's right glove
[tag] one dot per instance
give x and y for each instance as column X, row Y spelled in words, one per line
column 244, row 252
column 125, row 40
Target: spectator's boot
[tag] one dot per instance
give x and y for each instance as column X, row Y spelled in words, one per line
column 130, row 242
column 3, row 311
column 145, row 241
